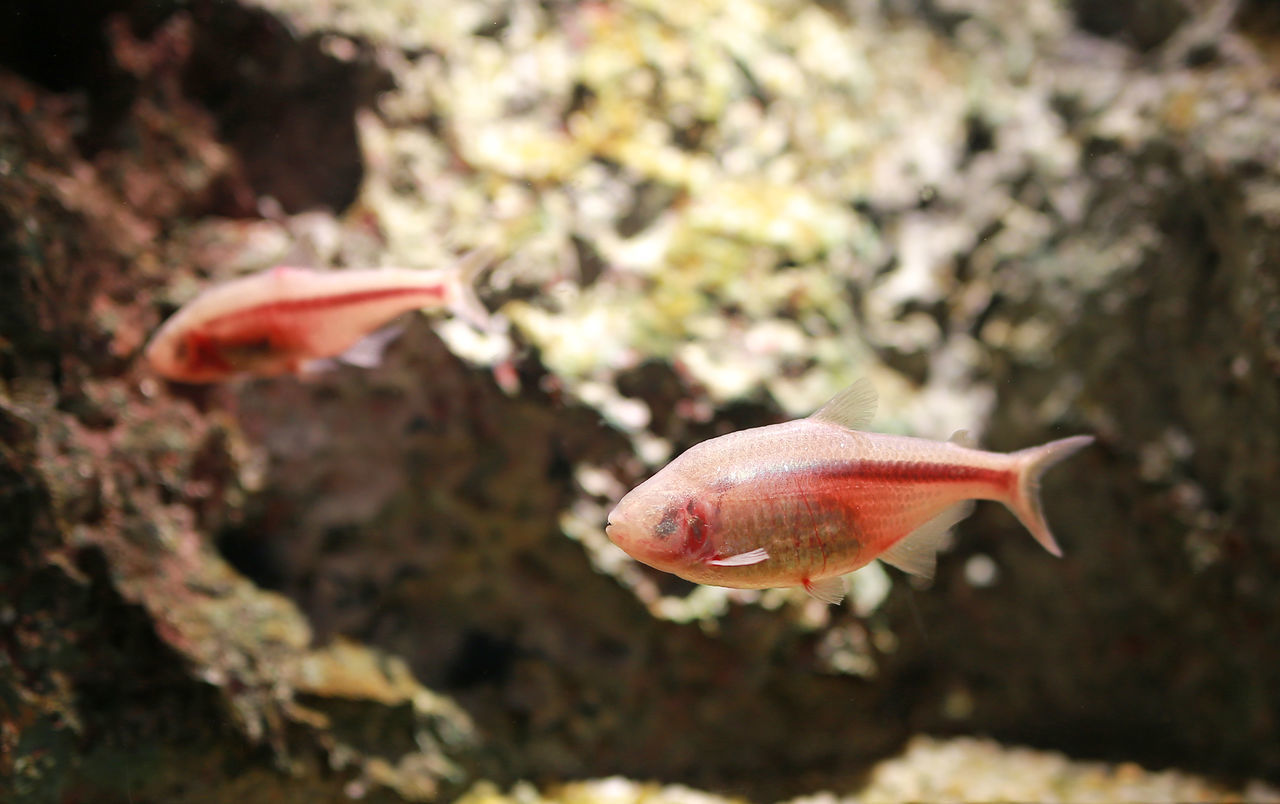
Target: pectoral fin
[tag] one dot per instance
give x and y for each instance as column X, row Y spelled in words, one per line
column 741, row 559
column 917, row 552
column 367, row 352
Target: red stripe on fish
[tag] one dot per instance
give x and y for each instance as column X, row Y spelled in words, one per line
column 913, row 472
column 317, row 303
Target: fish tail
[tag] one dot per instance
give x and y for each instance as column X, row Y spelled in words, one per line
column 465, row 303
column 1031, row 465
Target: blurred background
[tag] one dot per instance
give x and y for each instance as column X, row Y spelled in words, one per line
column 1027, row 218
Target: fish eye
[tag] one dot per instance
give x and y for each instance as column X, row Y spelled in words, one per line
column 667, row 526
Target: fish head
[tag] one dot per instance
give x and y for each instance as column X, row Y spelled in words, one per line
column 663, row 525
column 184, row 355
column 195, row 356
column 170, row 354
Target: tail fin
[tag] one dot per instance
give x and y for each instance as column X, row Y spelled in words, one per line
column 1032, row 463
column 465, row 303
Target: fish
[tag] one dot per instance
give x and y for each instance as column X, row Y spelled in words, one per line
column 806, row 502
column 287, row 320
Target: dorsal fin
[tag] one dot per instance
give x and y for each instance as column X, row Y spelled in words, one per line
column 963, row 438
column 854, row 407
column 917, row 552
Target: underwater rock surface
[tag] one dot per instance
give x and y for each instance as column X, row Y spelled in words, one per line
column 959, row 769
column 1015, row 217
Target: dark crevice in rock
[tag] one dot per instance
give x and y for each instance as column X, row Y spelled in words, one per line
column 284, row 104
column 1144, row 24
column 63, row 46
column 481, row 658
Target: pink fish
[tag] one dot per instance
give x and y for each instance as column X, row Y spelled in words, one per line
column 805, row 502
column 284, row 320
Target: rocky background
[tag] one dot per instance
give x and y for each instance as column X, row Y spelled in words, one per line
column 1029, row 219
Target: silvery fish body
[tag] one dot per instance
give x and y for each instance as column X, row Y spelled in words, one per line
column 281, row 320
column 805, row 502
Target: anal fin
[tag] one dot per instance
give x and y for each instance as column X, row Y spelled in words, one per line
column 828, row 590
column 917, row 552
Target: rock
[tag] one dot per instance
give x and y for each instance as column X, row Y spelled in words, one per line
column 706, row 218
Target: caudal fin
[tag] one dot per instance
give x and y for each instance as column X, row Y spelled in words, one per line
column 465, row 303
column 1032, row 463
